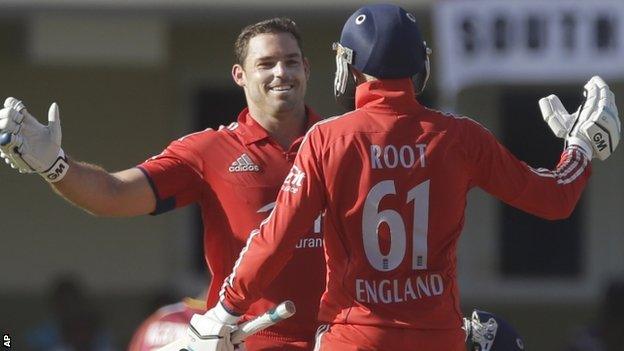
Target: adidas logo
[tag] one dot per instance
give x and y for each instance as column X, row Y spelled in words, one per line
column 244, row 164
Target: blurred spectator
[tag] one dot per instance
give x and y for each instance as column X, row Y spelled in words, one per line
column 73, row 324
column 607, row 334
column 166, row 325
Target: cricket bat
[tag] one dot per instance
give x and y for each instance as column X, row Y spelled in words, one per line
column 267, row 319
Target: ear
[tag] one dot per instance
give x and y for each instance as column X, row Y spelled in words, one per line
column 306, row 67
column 238, row 74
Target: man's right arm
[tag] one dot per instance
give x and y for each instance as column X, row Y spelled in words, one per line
column 121, row 194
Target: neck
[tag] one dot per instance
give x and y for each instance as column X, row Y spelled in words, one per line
column 284, row 127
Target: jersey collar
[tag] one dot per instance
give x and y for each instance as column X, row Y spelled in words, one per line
column 395, row 94
column 250, row 131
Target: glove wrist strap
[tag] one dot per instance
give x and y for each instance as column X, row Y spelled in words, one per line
column 58, row 170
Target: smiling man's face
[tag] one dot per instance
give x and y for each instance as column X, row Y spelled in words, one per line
column 274, row 74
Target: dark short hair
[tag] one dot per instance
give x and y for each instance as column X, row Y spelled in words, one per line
column 273, row 25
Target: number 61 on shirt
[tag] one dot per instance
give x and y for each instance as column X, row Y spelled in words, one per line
column 372, row 218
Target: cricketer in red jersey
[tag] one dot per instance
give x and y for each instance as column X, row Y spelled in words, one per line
column 166, row 325
column 236, row 185
column 392, row 178
column 397, row 203
column 234, row 174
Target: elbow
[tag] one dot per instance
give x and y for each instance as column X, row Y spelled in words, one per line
column 558, row 208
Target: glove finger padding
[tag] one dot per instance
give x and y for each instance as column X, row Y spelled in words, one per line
column 10, row 120
column 607, row 101
column 555, row 115
column 14, row 103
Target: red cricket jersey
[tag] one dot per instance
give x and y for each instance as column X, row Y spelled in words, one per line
column 166, row 325
column 234, row 174
column 393, row 178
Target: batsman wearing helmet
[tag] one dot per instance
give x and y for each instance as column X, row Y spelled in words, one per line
column 233, row 174
column 393, row 177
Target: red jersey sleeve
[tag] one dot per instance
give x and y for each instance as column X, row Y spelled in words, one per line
column 175, row 175
column 299, row 202
column 550, row 194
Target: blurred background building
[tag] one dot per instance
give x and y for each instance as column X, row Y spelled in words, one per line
column 130, row 76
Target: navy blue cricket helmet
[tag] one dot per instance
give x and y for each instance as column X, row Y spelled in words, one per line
column 488, row 332
column 383, row 41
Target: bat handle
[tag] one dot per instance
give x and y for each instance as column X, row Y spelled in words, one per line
column 283, row 311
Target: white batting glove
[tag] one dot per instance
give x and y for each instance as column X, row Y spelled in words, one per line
column 595, row 127
column 29, row 146
column 212, row 331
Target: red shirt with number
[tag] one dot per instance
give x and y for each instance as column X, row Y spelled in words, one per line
column 234, row 174
column 393, row 178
